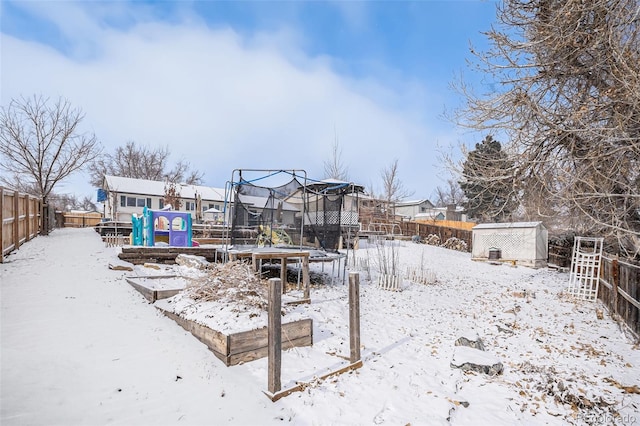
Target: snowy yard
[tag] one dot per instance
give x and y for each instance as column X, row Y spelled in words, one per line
column 81, row 346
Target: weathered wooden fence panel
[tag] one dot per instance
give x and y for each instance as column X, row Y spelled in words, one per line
column 444, row 232
column 619, row 282
column 20, row 217
column 618, row 286
column 81, row 219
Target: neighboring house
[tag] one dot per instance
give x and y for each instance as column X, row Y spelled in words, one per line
column 126, row 196
column 410, row 209
column 449, row 212
column 322, row 196
column 264, row 209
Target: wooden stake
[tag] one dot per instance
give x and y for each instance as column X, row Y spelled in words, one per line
column 615, row 270
column 283, row 274
column 274, row 335
column 306, row 281
column 354, row 317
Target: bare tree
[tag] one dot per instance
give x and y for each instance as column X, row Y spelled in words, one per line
column 142, row 162
column 41, row 144
column 393, row 190
column 172, row 195
column 65, row 202
column 449, row 194
column 334, row 167
column 566, row 94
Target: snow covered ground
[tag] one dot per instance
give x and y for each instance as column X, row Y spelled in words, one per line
column 80, row 346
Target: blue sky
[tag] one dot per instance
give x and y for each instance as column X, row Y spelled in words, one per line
column 255, row 84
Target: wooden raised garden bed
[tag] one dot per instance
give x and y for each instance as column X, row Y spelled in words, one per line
column 245, row 346
column 167, row 255
column 156, row 287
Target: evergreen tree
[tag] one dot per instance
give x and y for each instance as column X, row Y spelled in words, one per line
column 487, row 182
column 565, row 91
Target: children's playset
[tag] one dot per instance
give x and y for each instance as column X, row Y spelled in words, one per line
column 161, row 226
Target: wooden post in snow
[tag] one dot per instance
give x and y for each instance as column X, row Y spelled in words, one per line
column 615, row 275
column 354, row 317
column 283, row 274
column 306, row 281
column 274, row 335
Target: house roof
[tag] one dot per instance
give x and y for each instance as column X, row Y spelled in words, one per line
column 153, row 187
column 413, row 203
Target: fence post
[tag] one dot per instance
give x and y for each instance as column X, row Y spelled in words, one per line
column 1, row 224
column 274, row 335
column 27, row 228
column 354, row 317
column 614, row 274
column 16, row 220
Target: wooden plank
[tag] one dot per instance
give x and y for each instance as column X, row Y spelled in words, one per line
column 628, row 298
column 216, row 341
column 306, row 281
column 165, row 294
column 354, row 317
column 283, row 274
column 262, row 352
column 27, row 232
column 254, row 339
column 274, row 350
column 197, row 251
column 148, row 293
column 300, row 386
column 16, row 220
column 298, row 302
column 614, row 282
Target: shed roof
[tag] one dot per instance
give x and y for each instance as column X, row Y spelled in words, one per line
column 508, row 225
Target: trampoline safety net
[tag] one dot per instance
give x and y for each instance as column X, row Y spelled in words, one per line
column 296, row 211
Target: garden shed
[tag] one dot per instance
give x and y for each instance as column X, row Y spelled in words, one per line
column 525, row 243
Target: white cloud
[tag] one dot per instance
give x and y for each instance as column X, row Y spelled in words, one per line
column 223, row 101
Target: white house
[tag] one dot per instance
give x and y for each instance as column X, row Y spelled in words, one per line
column 410, row 209
column 449, row 212
column 126, row 196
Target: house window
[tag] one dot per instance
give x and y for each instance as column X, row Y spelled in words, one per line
column 211, row 206
column 190, row 205
column 134, row 201
column 161, row 203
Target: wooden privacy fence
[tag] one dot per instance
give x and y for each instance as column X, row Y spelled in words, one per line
column 81, row 219
column 20, row 215
column 619, row 282
column 444, row 232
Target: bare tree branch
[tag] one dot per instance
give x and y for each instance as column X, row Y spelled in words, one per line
column 566, row 97
column 334, row 167
column 41, row 144
column 393, row 190
column 142, row 162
